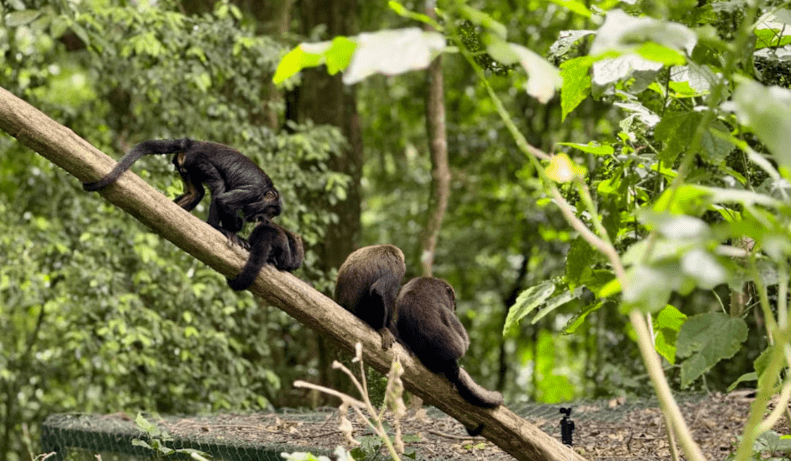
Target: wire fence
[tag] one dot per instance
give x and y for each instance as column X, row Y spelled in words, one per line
column 609, row 431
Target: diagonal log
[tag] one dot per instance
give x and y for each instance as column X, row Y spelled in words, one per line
column 63, row 147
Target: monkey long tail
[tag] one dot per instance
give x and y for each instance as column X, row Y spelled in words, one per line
column 260, row 246
column 154, row 146
column 472, row 391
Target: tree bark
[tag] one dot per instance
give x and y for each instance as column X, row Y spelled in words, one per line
column 63, row 147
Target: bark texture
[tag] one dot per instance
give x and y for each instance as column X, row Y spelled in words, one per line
column 63, row 147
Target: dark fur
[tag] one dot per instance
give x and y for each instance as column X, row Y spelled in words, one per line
column 273, row 244
column 428, row 327
column 236, row 183
column 367, row 286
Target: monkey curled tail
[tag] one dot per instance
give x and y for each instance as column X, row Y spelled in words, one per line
column 427, row 326
column 273, row 244
column 236, row 183
column 151, row 147
column 367, row 286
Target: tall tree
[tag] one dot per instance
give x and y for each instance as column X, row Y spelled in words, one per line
column 438, row 148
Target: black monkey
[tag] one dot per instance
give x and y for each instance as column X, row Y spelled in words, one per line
column 428, row 327
column 269, row 243
column 236, row 183
column 367, row 286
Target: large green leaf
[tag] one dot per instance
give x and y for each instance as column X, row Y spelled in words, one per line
column 527, row 301
column 576, row 83
column 706, row 339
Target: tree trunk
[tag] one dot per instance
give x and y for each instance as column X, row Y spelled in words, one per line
column 438, row 148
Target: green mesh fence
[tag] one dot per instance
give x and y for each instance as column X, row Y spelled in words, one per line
column 77, row 437
column 604, row 431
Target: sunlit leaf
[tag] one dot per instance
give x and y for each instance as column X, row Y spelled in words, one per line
column 575, row 7
column 767, row 112
column 576, row 83
column 667, row 323
column 561, row 169
column 612, row 70
column 626, row 33
column 393, row 52
column 542, row 77
column 591, row 148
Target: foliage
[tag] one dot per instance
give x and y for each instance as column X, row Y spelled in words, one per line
column 98, row 314
column 671, row 215
column 157, row 438
column 393, row 402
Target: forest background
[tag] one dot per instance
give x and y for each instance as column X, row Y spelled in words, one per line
column 101, row 315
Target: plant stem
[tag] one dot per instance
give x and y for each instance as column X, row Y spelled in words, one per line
column 650, row 358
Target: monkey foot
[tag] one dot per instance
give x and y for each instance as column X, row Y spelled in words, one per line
column 387, row 338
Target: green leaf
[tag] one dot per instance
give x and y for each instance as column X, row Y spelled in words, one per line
column 751, row 376
column 339, row 55
column 527, row 301
column 579, row 262
column 687, row 199
column 666, row 325
column 304, row 55
column 555, row 302
column 576, row 83
column 592, row 147
column 580, row 319
column 676, row 130
column 575, row 7
column 706, row 339
column 660, row 53
column 20, row 18
column 767, row 112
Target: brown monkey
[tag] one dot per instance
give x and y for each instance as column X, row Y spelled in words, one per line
column 367, row 286
column 427, row 325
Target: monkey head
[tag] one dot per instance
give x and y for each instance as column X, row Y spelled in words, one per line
column 265, row 209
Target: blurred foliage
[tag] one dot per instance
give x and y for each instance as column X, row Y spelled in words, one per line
column 99, row 314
